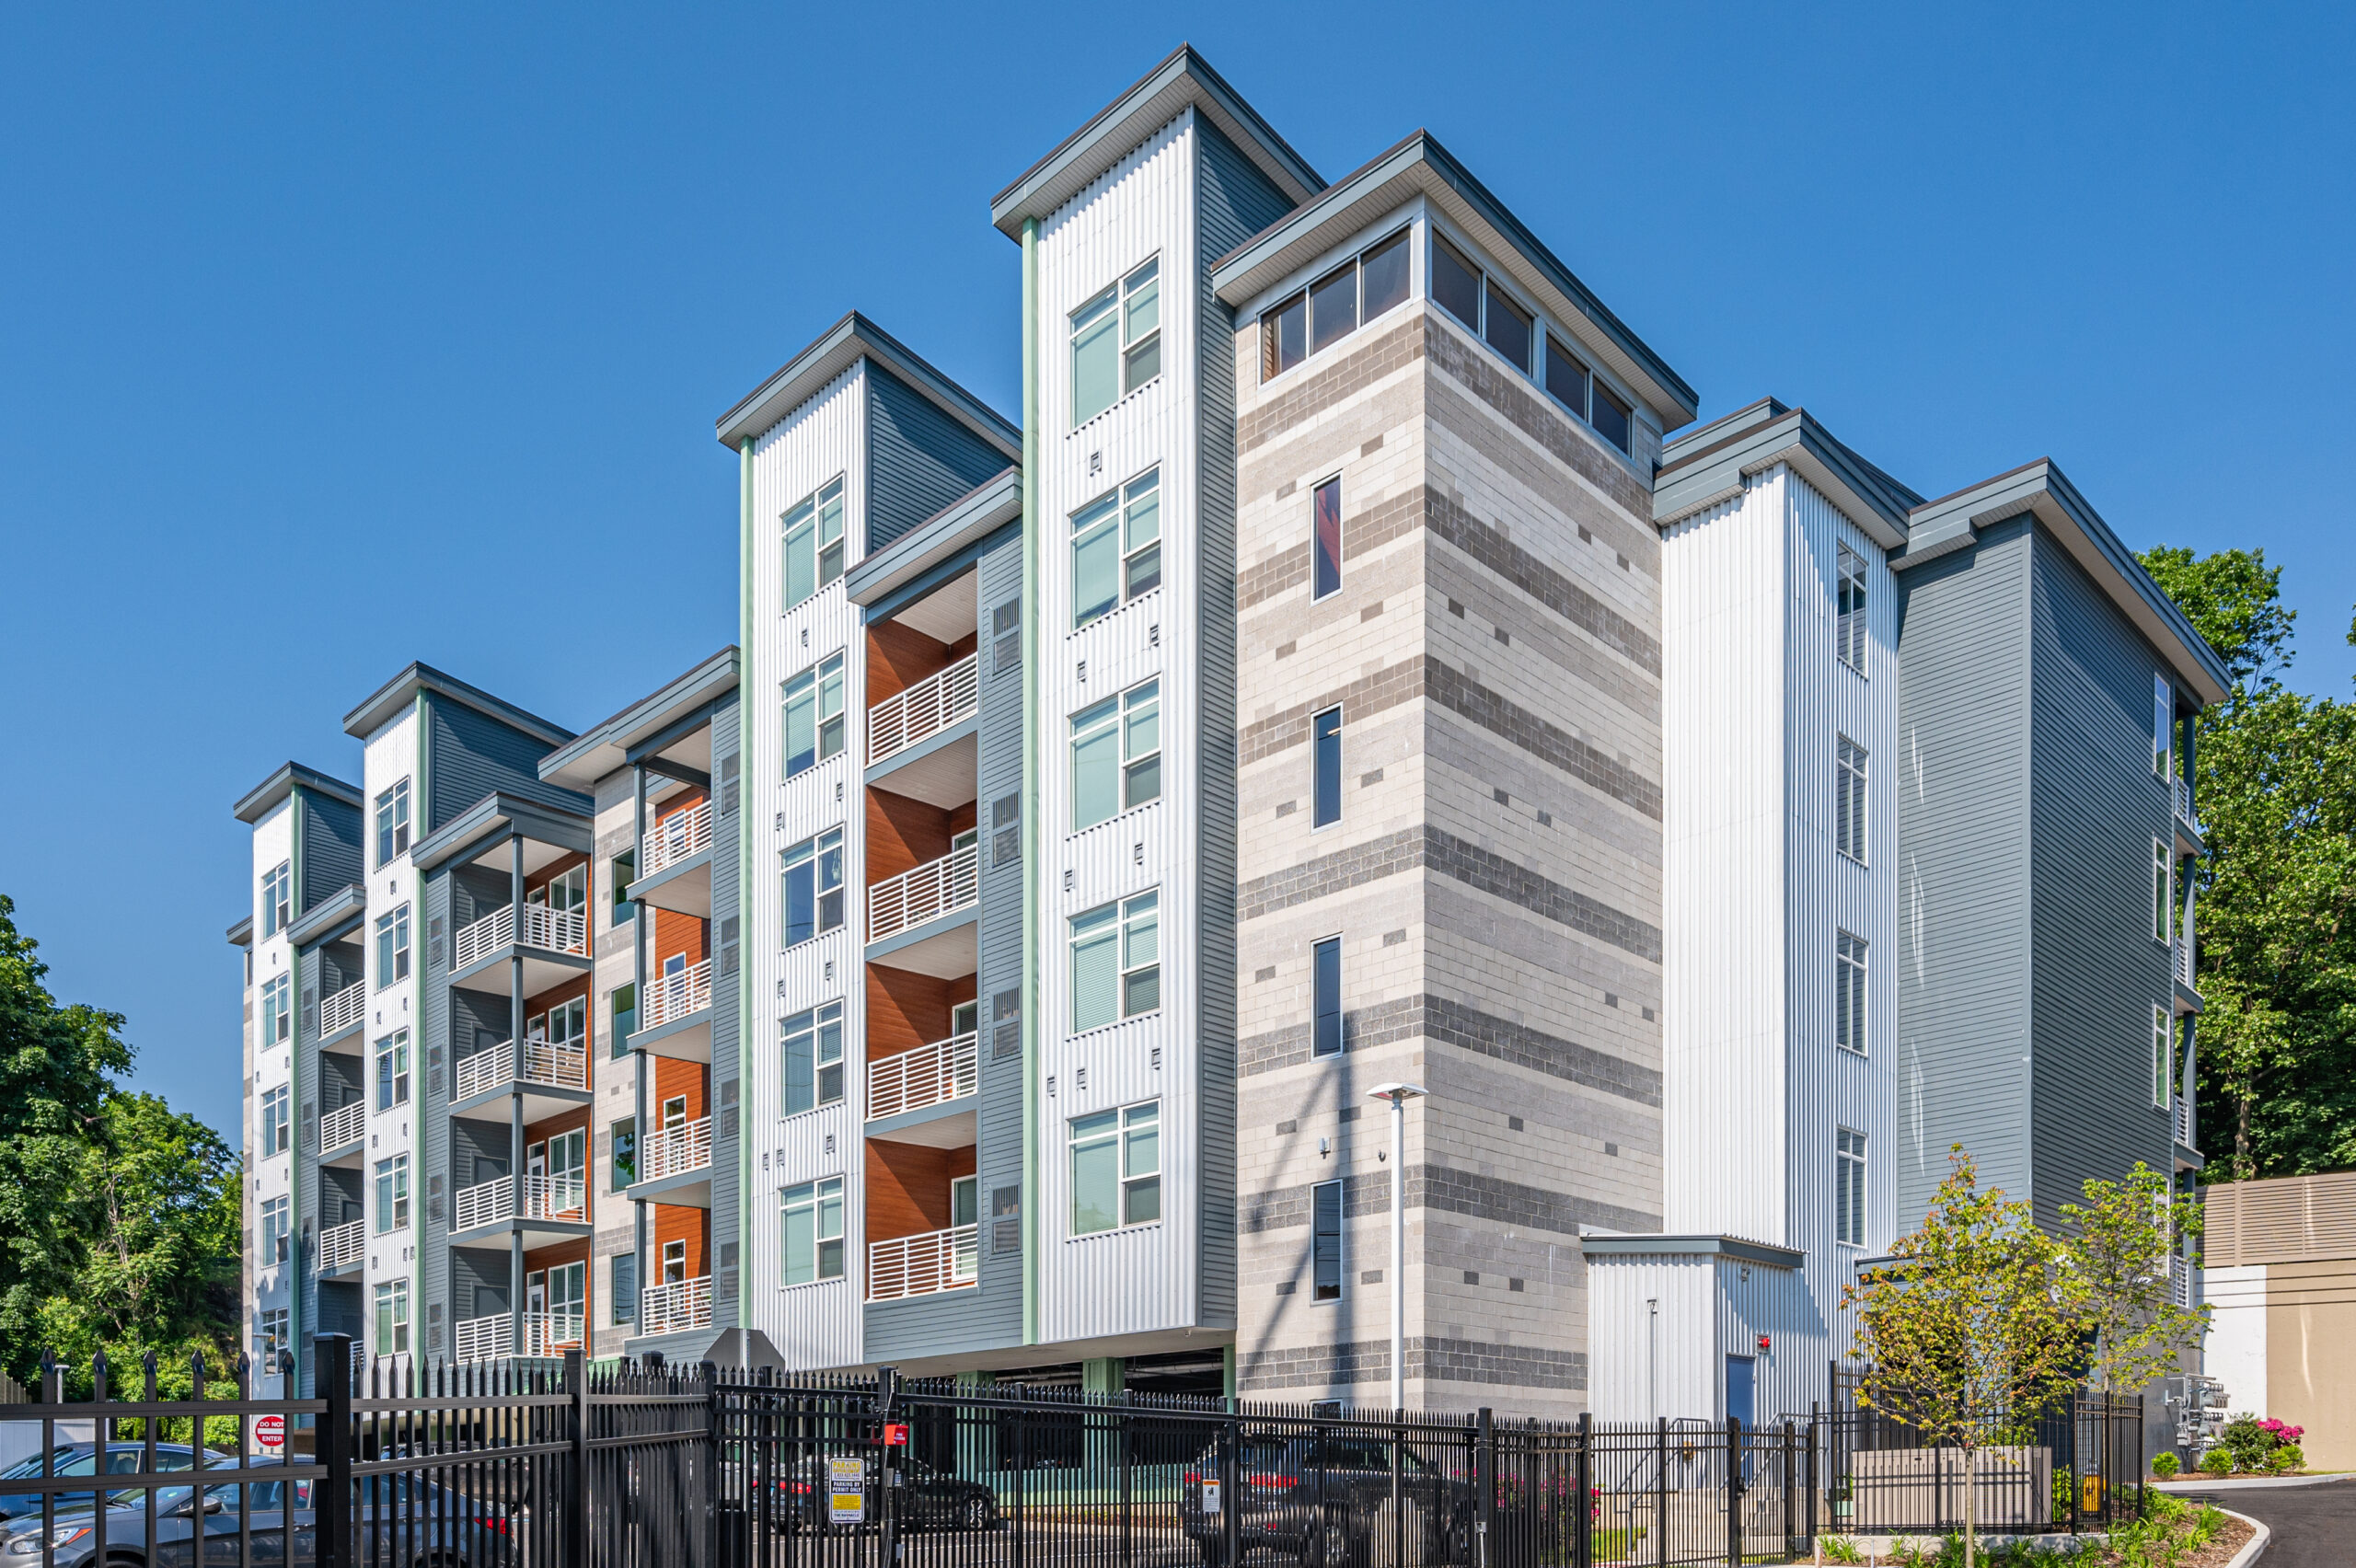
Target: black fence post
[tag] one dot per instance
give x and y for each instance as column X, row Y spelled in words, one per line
column 887, row 1465
column 1734, row 1491
column 1583, row 1544
column 1815, row 1495
column 1660, row 1495
column 331, row 1357
column 2077, row 1470
column 714, row 1532
column 576, row 1469
column 1484, row 1470
column 1231, row 1491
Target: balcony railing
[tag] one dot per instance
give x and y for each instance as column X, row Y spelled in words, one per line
column 668, row 1309
column 2184, row 804
column 922, row 1265
column 555, row 931
column 345, row 1008
column 2184, row 1123
column 545, row 1335
column 924, row 709
column 2179, row 1281
column 559, row 1066
column 946, row 1069
column 342, row 1126
column 674, row 1151
column 2181, row 952
column 924, row 892
column 670, row 998
column 340, row 1246
column 675, row 838
column 529, row 1197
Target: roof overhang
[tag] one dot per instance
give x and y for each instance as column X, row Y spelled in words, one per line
column 494, row 817
column 386, row 701
column 604, row 748
column 330, row 915
column 241, row 933
column 1735, row 1247
column 959, row 526
column 835, row 350
column 1421, row 166
column 1953, row 522
column 263, row 798
column 1182, row 80
column 1698, row 475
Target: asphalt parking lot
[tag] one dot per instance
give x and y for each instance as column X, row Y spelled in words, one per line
column 2313, row 1526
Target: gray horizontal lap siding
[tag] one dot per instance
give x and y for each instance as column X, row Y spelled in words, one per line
column 434, row 1187
column 473, row 754
column 727, row 1038
column 2096, row 807
column 332, row 855
column 920, row 459
column 1963, row 849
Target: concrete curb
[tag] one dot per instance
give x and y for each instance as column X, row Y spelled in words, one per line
column 2257, row 1547
column 2248, row 1483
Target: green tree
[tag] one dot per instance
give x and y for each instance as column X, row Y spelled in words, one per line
column 1964, row 1332
column 2115, row 1252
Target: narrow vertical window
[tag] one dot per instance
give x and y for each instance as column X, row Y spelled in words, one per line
column 814, row 1057
column 812, row 1215
column 1325, row 1241
column 623, row 868
column 392, row 823
column 2163, row 1055
column 1455, row 283
column 2163, row 725
column 1508, row 327
column 814, row 727
column 1325, row 747
column 813, row 541
column 1849, row 622
column 1849, row 992
column 392, row 1194
column 1849, row 800
column 1566, row 376
column 392, row 1317
column 2161, row 880
column 1284, row 337
column 392, row 947
column 624, row 1291
column 1385, row 270
column 277, row 898
column 622, row 1147
column 1612, row 415
column 1325, row 539
column 392, row 1070
column 1849, row 1189
column 812, row 883
column 1325, row 969
column 625, row 1010
column 1333, row 306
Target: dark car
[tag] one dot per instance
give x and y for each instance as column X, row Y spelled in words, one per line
column 70, row 1459
column 1323, row 1498
column 930, row 1498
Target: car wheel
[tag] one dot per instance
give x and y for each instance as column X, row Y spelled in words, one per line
column 979, row 1515
column 1327, row 1545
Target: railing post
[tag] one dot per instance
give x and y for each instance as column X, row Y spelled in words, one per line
column 1815, row 1436
column 713, row 1446
column 1660, row 1495
column 1734, row 1491
column 1791, row 1512
column 1583, row 1551
column 576, row 1476
column 1230, row 1492
column 1484, row 1470
column 331, row 1358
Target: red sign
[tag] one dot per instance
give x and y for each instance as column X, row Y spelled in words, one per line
column 270, row 1431
column 1764, row 1342
column 896, row 1434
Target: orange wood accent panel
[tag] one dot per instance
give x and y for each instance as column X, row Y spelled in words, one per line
column 964, row 645
column 901, row 833
column 906, row 1010
column 674, row 1077
column 674, row 934
column 900, row 656
column 678, row 1222
column 535, row 881
column 671, row 805
column 907, row 1187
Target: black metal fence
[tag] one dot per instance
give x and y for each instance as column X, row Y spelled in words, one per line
column 488, row 1466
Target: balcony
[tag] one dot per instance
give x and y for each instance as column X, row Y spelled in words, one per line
column 547, row 1334
column 669, row 1308
column 929, row 1075
column 2184, row 1125
column 912, row 715
column 345, row 1009
column 342, row 1126
column 505, row 1198
column 550, row 1066
column 674, row 1151
column 2183, row 791
column 924, row 1264
column 676, row 838
column 344, row 1246
column 551, row 930
column 2179, row 1281
column 924, row 893
column 670, row 998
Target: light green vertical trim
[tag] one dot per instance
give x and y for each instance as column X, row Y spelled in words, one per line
column 301, row 1270
column 1032, row 1231
column 422, row 821
column 744, row 888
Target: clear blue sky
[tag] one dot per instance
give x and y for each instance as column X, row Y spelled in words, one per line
column 336, row 337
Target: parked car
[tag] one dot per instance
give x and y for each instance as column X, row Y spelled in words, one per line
column 1321, row 1499
column 930, row 1498
column 413, row 1521
column 70, row 1459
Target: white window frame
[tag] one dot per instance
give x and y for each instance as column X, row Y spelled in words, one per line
column 277, row 1011
column 2162, row 1056
column 1130, row 722
column 1130, row 310
column 1130, row 513
column 392, row 1317
column 1272, row 317
column 277, row 1124
column 277, row 1228
column 1341, row 1242
column 1851, row 969
column 812, row 852
column 392, row 823
column 1848, row 1187
column 1128, row 1128
column 1341, row 1013
column 1133, row 925
column 392, row 947
column 1330, row 482
column 2163, row 892
column 822, row 1201
column 820, row 1026
column 1318, row 823
column 392, row 1194
column 1851, row 777
column 823, row 689
column 1849, row 599
column 392, row 1071
column 817, row 518
column 277, row 898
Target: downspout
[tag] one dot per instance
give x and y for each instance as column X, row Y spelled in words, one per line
column 1030, row 900
column 294, row 1089
column 516, row 1303
column 642, row 1064
column 744, row 885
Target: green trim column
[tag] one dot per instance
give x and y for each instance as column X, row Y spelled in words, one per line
column 1031, row 905
column 298, row 1264
column 743, row 891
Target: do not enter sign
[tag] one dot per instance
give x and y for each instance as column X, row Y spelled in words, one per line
column 271, row 1431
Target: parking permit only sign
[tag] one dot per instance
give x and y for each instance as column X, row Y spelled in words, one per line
column 847, row 1491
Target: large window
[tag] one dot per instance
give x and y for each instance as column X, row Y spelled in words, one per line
column 1116, row 343
column 392, row 823
column 392, row 1070
column 392, row 947
column 813, row 1231
column 277, row 1011
column 1325, row 539
column 814, row 1057
column 1325, row 1241
column 813, row 883
column 1117, row 754
column 392, row 1194
column 814, row 544
column 276, row 1229
column 1115, row 962
column 1849, row 992
column 1461, row 287
column 1331, row 308
column 623, row 868
column 1325, row 753
column 2163, row 1055
column 624, row 1291
column 1849, row 1189
column 392, row 1317
column 1116, row 1169
column 813, row 716
column 1116, row 547
column 1326, row 1008
column 276, row 1124
column 1849, row 623
column 2163, row 726
column 271, row 1340
column 277, row 898
column 1849, row 800
column 622, row 1148
column 2161, row 879
column 625, row 1007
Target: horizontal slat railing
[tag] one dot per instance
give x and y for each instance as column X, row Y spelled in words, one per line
column 668, row 1309
column 2184, row 804
column 923, row 1264
column 670, row 998
column 345, row 1008
column 558, row 1066
column 340, row 1246
column 910, row 1080
column 673, row 1151
column 545, row 1335
column 342, row 1126
column 924, row 892
column 924, row 709
column 531, row 1197
column 2184, row 1123
column 552, row 930
column 675, row 838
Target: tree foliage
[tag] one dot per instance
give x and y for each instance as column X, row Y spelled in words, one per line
column 119, row 1216
column 2275, row 897
column 2114, row 1252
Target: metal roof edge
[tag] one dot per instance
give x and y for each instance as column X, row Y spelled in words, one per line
column 714, row 674
column 349, row 902
column 1236, row 119
column 500, row 809
column 835, row 350
column 381, row 704
column 972, row 515
column 1702, row 477
column 242, row 932
column 1722, row 1246
column 256, row 801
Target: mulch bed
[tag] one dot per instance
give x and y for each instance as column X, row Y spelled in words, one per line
column 2228, row 1540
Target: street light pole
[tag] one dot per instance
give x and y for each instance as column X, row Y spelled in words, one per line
column 1397, row 1094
